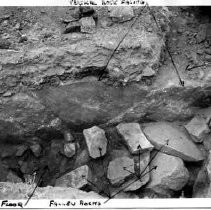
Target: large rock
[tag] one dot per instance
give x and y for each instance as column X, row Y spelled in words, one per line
column 144, row 175
column 87, row 25
column 118, row 170
column 85, row 104
column 197, row 128
column 169, row 174
column 121, row 14
column 24, row 115
column 20, row 190
column 96, row 141
column 76, row 178
column 179, row 144
column 134, row 137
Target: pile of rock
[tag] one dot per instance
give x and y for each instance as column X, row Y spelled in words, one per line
column 155, row 161
column 153, row 157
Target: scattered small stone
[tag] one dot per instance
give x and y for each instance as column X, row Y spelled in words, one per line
column 208, row 51
column 5, row 17
column 208, row 58
column 72, row 27
column 197, row 128
column 7, row 94
column 121, row 14
column 56, row 123
column 75, row 179
column 5, row 44
column 148, row 72
column 87, row 25
column 200, row 51
column 180, row 30
column 134, row 137
column 96, row 141
column 170, row 173
column 23, row 38
column 12, row 177
column 179, row 144
column 36, row 149
column 149, row 29
column 20, row 150
column 116, row 173
column 24, row 167
column 69, row 149
column 17, row 26
column 68, row 137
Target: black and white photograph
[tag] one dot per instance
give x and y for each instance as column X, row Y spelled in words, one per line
column 105, row 103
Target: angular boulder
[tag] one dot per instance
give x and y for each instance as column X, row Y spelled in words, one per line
column 87, row 25
column 121, row 14
column 75, row 179
column 144, row 175
column 134, row 137
column 118, row 170
column 96, row 141
column 197, row 128
column 179, row 144
column 170, row 173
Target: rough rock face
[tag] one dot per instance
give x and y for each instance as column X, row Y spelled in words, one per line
column 179, row 144
column 24, row 115
column 96, row 141
column 79, row 53
column 169, row 174
column 21, row 191
column 134, row 137
column 75, row 179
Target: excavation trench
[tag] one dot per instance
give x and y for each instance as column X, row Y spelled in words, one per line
column 66, row 121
